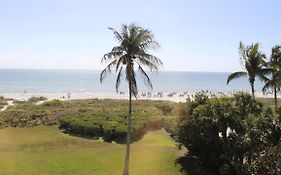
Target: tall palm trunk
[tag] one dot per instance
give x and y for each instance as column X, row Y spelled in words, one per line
column 127, row 156
column 253, row 89
column 275, row 97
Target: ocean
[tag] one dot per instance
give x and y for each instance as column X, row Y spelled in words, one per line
column 53, row 81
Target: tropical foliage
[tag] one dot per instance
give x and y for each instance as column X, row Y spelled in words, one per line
column 228, row 134
column 269, row 162
column 132, row 52
column 274, row 81
column 253, row 61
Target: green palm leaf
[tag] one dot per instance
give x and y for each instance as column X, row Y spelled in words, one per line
column 236, row 75
column 134, row 44
column 254, row 64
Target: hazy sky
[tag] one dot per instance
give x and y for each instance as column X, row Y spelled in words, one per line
column 195, row 35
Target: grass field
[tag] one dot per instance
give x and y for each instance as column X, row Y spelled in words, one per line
column 45, row 150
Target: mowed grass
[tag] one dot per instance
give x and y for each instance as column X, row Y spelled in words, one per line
column 45, row 150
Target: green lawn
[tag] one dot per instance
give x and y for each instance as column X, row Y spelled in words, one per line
column 47, row 151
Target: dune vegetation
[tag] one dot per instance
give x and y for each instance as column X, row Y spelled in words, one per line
column 84, row 136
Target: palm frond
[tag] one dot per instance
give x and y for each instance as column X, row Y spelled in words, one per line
column 153, row 59
column 107, row 70
column 265, row 71
column 117, row 35
column 111, row 55
column 263, row 78
column 236, row 75
column 146, row 77
column 120, row 61
column 242, row 52
column 147, row 40
column 119, row 79
column 267, row 85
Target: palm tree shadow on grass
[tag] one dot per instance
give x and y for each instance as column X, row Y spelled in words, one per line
column 190, row 165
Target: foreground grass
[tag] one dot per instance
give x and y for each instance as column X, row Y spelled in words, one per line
column 47, row 151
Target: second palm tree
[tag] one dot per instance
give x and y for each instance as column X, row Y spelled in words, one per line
column 254, row 65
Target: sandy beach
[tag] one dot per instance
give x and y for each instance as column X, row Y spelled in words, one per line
column 111, row 95
column 175, row 97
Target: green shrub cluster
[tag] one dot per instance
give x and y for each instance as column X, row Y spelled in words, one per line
column 36, row 99
column 53, row 103
column 111, row 126
column 228, row 134
column 269, row 163
column 27, row 114
column 98, row 124
column 165, row 108
column 25, row 118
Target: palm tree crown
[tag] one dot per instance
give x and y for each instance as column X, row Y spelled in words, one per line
column 274, row 82
column 254, row 64
column 134, row 42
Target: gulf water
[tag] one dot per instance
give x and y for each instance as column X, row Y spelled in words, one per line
column 52, row 81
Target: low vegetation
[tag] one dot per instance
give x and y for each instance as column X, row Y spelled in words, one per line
column 269, row 162
column 3, row 102
column 230, row 135
column 226, row 135
column 91, row 118
column 109, row 120
column 36, row 99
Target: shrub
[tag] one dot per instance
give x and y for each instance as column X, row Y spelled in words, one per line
column 53, row 103
column 165, row 108
column 36, row 99
column 269, row 163
column 114, row 129
column 227, row 134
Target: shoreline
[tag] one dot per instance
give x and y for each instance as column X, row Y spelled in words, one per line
column 174, row 97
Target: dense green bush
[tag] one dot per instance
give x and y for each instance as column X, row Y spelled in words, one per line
column 108, row 119
column 269, row 163
column 111, row 127
column 36, row 99
column 227, row 134
column 165, row 108
column 53, row 103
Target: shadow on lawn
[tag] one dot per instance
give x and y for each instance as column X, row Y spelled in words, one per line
column 190, row 165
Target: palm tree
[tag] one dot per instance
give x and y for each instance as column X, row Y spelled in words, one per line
column 274, row 82
column 130, row 55
column 254, row 64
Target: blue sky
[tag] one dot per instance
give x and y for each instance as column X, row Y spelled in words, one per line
column 195, row 35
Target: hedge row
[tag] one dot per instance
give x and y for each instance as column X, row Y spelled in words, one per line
column 109, row 130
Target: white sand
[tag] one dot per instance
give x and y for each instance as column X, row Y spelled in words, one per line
column 10, row 103
column 64, row 96
column 178, row 97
